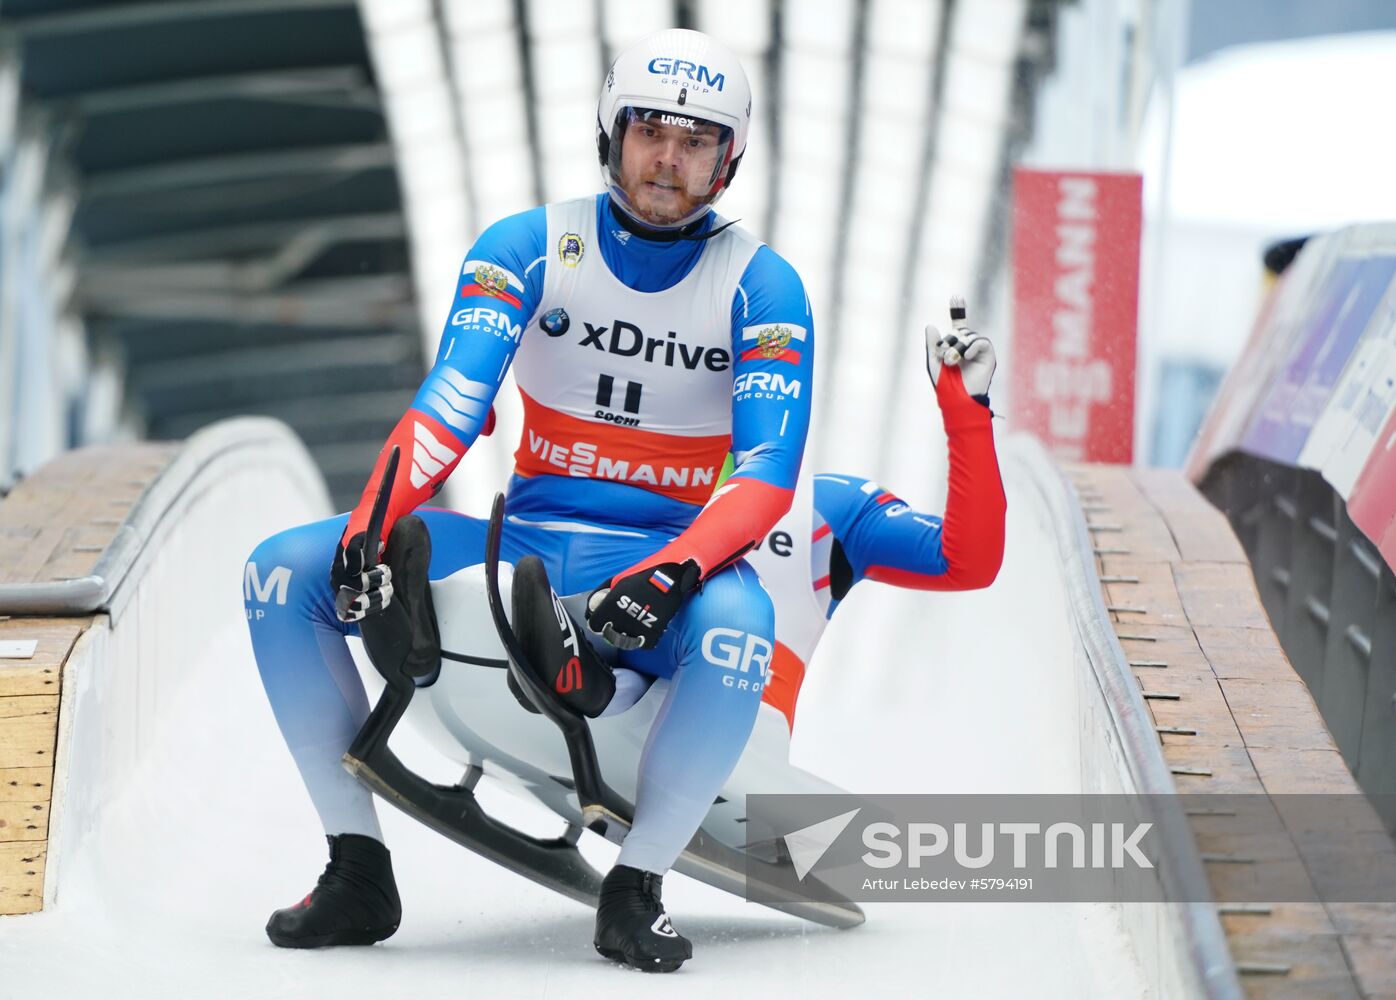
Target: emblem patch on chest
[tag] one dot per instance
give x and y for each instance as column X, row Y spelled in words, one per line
column 570, row 249
column 555, row 322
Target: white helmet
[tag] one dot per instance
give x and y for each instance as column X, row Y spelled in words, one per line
column 673, row 80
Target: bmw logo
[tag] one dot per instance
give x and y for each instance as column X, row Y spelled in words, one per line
column 555, row 322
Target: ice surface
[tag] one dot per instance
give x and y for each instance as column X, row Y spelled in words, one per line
column 973, row 692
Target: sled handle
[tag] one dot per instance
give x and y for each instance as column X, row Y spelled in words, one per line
column 379, row 514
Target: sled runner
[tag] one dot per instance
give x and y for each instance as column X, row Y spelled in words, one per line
column 557, row 758
column 451, row 810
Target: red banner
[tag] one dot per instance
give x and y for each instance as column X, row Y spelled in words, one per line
column 1372, row 504
column 1075, row 310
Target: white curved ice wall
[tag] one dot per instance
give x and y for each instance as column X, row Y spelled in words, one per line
column 174, row 770
column 232, row 485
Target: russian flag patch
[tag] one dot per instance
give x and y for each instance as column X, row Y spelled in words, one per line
column 661, row 582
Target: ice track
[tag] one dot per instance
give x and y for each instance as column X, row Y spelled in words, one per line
column 169, row 894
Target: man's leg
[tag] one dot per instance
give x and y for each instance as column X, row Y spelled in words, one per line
column 717, row 653
column 319, row 703
column 719, row 649
column 307, row 671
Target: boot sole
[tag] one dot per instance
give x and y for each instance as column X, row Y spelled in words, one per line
column 653, row 965
column 347, row 938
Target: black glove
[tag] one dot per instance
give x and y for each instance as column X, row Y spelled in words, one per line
column 635, row 610
column 359, row 590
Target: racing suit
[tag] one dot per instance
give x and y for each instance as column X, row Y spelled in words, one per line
column 640, row 365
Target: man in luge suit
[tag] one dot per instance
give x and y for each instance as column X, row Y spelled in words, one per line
column 648, row 338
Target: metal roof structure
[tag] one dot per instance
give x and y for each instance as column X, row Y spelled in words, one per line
column 234, row 227
column 216, row 205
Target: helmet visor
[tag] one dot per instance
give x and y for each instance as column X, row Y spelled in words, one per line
column 665, row 168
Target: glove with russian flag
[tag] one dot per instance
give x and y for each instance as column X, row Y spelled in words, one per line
column 634, row 611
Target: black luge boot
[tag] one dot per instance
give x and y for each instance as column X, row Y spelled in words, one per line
column 554, row 648
column 631, row 925
column 354, row 902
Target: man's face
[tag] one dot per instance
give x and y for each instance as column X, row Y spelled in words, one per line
column 667, row 163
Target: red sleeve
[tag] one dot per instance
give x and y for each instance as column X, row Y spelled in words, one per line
column 429, row 452
column 975, row 506
column 738, row 515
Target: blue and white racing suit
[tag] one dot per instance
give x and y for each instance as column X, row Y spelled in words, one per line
column 640, row 364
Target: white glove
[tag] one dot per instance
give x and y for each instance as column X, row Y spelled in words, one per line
column 971, row 352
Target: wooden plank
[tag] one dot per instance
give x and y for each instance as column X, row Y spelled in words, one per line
column 1154, row 594
column 30, row 747
column 1199, row 530
column 1226, row 637
column 73, row 559
column 1285, row 919
column 1157, row 634
column 26, row 784
column 1288, row 771
column 1219, row 594
column 27, row 705
column 1373, row 960
column 1363, row 918
column 23, row 821
column 1230, row 766
column 56, row 636
column 1159, row 642
column 40, row 674
column 22, row 877
column 1318, row 970
column 1276, row 713
column 1180, row 663
column 1202, row 706
column 1251, row 653
column 50, row 551
column 28, row 731
column 29, row 550
column 1274, row 870
column 1168, row 489
column 73, row 502
column 1206, row 537
column 1345, row 864
column 29, row 680
column 1144, row 532
column 1145, row 535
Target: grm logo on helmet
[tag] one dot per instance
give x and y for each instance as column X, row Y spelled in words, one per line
column 699, row 74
